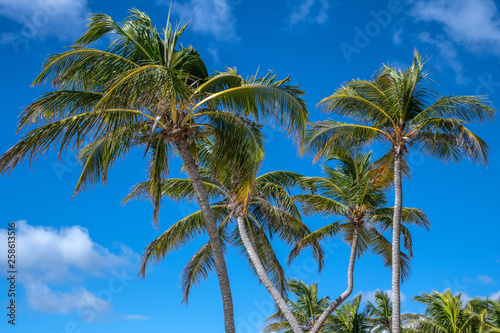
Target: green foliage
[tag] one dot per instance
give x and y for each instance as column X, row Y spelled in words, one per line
column 307, row 307
column 446, row 313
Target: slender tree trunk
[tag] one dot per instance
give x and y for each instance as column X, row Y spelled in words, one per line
column 264, row 278
column 213, row 234
column 396, row 244
column 350, row 285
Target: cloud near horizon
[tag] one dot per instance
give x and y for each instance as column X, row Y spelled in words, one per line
column 56, row 262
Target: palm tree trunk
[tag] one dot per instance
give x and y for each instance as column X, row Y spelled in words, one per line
column 213, row 234
column 350, row 285
column 264, row 278
column 396, row 244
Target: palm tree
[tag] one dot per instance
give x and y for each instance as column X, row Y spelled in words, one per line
column 259, row 205
column 488, row 314
column 380, row 313
column 146, row 90
column 493, row 312
column 307, row 308
column 348, row 319
column 400, row 108
column 446, row 313
column 355, row 191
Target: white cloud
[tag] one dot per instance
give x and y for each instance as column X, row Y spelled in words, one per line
column 396, row 36
column 309, row 11
column 214, row 53
column 63, row 19
column 485, row 279
column 214, row 17
column 495, row 296
column 53, row 255
column 466, row 297
column 472, row 23
column 57, row 259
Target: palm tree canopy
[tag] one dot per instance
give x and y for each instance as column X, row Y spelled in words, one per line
column 348, row 319
column 380, row 312
column 399, row 107
column 446, row 313
column 307, row 307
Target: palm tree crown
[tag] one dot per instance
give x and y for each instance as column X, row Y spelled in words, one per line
column 380, row 313
column 307, row 307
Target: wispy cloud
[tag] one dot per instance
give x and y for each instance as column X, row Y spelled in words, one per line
column 485, row 279
column 396, row 36
column 212, row 17
column 44, row 299
column 308, row 11
column 137, row 317
column 474, row 24
column 447, row 55
column 55, row 260
column 466, row 297
column 63, row 19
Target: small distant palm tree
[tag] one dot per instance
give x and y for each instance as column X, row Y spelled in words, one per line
column 355, row 192
column 380, row 313
column 493, row 310
column 400, row 108
column 488, row 314
column 446, row 313
column 348, row 319
column 306, row 307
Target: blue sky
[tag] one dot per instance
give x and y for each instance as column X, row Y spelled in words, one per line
column 78, row 258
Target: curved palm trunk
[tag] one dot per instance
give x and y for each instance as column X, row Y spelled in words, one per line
column 213, row 234
column 350, row 285
column 396, row 245
column 261, row 272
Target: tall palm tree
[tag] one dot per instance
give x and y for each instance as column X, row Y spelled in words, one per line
column 399, row 108
column 265, row 209
column 307, row 307
column 355, row 192
column 446, row 313
column 348, row 319
column 146, row 90
column 380, row 313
